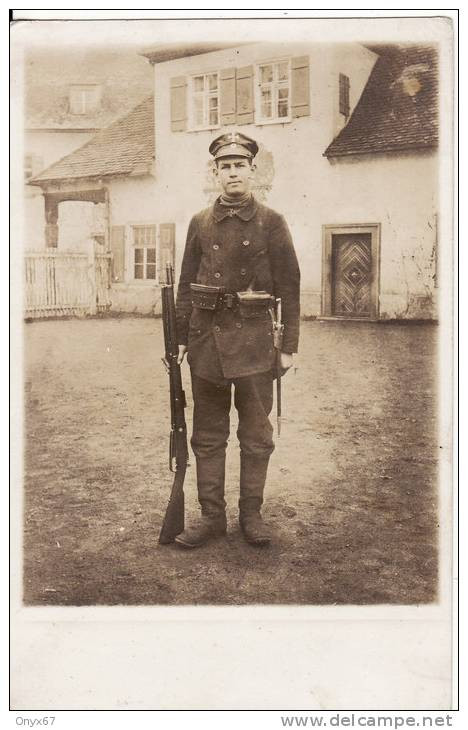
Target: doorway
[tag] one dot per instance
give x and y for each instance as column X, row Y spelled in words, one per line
column 350, row 272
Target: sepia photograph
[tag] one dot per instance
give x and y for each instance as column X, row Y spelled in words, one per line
column 234, row 261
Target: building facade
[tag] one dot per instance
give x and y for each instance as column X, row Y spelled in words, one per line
column 363, row 219
column 348, row 154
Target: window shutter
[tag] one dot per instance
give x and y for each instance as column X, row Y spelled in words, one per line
column 300, row 101
column 179, row 104
column 245, row 95
column 118, row 253
column 166, row 249
column 344, row 95
column 227, row 80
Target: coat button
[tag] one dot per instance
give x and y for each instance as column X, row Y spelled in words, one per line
column 238, row 325
column 245, row 243
column 217, row 275
column 215, row 246
column 217, row 329
column 243, row 272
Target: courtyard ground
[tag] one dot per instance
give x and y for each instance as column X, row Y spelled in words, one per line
column 352, row 488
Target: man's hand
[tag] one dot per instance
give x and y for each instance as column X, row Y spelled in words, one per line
column 286, row 361
column 182, row 351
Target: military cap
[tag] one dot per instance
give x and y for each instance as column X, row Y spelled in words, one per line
column 233, row 144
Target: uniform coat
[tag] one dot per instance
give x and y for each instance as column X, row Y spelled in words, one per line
column 239, row 249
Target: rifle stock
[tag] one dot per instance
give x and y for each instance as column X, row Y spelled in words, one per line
column 173, row 523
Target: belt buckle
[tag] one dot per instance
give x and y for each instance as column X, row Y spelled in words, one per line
column 228, row 300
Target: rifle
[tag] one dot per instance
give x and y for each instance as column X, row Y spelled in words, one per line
column 173, row 523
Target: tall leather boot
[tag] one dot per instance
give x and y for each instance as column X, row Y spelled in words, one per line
column 210, row 484
column 253, row 473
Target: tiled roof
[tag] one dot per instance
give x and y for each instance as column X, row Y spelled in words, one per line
column 125, row 147
column 398, row 109
column 125, row 78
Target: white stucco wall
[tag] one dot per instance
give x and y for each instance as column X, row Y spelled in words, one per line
column 78, row 221
column 356, row 62
column 132, row 201
column 397, row 192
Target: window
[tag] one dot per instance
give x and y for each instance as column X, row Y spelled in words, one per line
column 273, row 98
column 144, row 252
column 344, row 95
column 84, row 98
column 205, row 101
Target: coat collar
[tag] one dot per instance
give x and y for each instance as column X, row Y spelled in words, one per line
column 246, row 213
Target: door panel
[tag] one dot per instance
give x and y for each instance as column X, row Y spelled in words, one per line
column 351, row 275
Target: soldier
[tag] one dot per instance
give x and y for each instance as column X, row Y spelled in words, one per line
column 236, row 245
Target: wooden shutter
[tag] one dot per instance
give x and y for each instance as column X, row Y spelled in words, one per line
column 300, row 101
column 227, row 81
column 344, row 95
column 179, row 104
column 166, row 248
column 118, row 253
column 245, row 95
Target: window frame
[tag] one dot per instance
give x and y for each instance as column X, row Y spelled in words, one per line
column 259, row 120
column 192, row 127
column 144, row 247
column 90, row 98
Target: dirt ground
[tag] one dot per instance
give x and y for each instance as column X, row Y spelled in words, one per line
column 351, row 494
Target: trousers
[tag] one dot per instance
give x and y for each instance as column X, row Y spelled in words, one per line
column 253, row 399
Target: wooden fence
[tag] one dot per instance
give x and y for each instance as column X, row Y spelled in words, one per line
column 61, row 283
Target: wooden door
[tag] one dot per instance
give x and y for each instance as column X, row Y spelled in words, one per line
column 351, row 267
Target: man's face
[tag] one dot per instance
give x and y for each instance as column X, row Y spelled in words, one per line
column 235, row 175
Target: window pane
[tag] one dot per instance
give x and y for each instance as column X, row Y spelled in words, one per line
column 283, row 92
column 283, row 108
column 198, row 110
column 138, row 271
column 198, row 83
column 151, row 255
column 213, row 82
column 214, row 117
column 151, row 271
column 266, row 108
column 266, row 74
column 283, row 71
column 213, row 102
column 138, row 255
